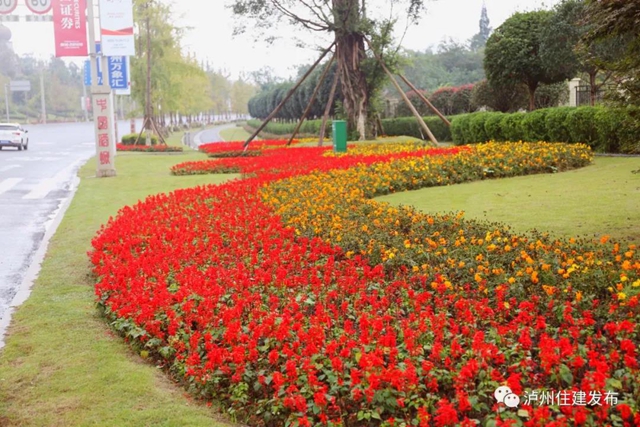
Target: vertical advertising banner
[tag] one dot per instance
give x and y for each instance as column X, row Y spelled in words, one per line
column 70, row 27
column 116, row 27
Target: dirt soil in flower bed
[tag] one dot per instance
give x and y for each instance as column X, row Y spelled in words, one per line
column 296, row 300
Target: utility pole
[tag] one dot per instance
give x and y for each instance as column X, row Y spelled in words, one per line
column 84, row 103
column 43, row 105
column 6, row 100
column 148, row 107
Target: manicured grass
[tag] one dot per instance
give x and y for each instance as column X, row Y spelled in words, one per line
column 234, row 134
column 601, row 199
column 62, row 366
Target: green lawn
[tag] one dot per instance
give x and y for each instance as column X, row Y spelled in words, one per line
column 62, row 366
column 603, row 198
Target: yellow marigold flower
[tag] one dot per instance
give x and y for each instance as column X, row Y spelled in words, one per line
column 636, row 283
column 549, row 290
column 511, row 280
column 622, row 296
column 534, row 277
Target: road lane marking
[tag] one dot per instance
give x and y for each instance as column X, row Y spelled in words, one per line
column 49, row 184
column 9, row 167
column 8, row 184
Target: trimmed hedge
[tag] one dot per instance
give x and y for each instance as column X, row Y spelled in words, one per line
column 401, row 126
column 611, row 130
column 309, row 127
column 130, row 139
column 408, row 126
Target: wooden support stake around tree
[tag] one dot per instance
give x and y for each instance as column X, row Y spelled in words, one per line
column 313, row 99
column 153, row 127
column 327, row 108
column 406, row 99
column 144, row 126
column 160, row 137
column 425, row 100
column 286, row 98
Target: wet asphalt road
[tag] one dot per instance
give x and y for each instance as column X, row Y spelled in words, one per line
column 212, row 135
column 33, row 185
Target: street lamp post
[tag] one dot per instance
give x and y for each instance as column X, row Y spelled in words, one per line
column 6, row 100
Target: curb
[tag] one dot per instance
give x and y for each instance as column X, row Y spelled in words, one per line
column 24, row 289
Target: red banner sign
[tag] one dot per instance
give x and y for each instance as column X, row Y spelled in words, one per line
column 70, row 27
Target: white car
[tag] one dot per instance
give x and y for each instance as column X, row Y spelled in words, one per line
column 13, row 135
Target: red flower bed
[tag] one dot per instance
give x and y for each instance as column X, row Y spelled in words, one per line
column 236, row 149
column 280, row 162
column 289, row 329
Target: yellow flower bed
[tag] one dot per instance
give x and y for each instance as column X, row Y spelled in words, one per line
column 337, row 207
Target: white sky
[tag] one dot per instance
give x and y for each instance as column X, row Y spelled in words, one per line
column 212, row 25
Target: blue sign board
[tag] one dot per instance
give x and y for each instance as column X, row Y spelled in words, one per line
column 117, row 69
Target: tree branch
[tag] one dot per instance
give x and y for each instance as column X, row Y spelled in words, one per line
column 312, row 25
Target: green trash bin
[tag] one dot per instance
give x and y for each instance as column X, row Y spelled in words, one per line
column 339, row 136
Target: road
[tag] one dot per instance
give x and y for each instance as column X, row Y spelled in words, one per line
column 212, row 135
column 33, row 186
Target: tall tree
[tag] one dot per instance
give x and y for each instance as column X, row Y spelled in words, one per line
column 348, row 24
column 515, row 53
column 241, row 93
column 564, row 33
column 479, row 40
column 617, row 21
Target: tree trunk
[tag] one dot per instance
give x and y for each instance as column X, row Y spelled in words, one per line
column 593, row 88
column 350, row 53
column 532, row 96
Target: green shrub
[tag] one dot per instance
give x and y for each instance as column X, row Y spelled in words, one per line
column 603, row 129
column 534, row 126
column 309, row 127
column 477, row 132
column 581, row 125
column 628, row 134
column 493, row 126
column 440, row 129
column 511, row 125
column 408, row 126
column 460, row 129
column 607, row 123
column 555, row 124
column 130, row 139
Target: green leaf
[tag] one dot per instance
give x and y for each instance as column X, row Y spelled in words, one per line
column 566, row 375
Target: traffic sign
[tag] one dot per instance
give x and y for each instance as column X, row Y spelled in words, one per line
column 7, row 6
column 118, row 71
column 39, row 6
column 20, row 85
